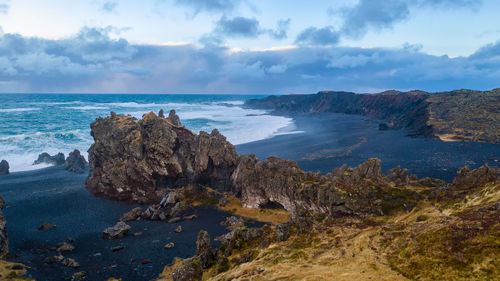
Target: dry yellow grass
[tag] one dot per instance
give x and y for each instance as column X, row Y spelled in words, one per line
column 274, row 216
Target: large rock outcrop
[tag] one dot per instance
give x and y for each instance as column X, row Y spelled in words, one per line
column 346, row 191
column 138, row 159
column 4, row 242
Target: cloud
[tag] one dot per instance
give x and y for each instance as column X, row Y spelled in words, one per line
column 383, row 14
column 91, row 61
column 238, row 27
column 109, row 6
column 318, row 36
column 281, row 29
column 4, row 7
column 217, row 6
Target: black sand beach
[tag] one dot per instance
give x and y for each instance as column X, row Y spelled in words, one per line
column 329, row 141
column 57, row 196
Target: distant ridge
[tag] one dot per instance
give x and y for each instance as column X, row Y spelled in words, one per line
column 459, row 115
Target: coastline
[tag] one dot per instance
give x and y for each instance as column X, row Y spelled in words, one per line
column 333, row 139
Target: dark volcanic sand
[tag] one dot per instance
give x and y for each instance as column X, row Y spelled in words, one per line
column 332, row 140
column 57, row 196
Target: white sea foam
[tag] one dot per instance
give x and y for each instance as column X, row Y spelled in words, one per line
column 19, row 109
column 87, row 107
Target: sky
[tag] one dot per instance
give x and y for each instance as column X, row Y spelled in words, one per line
column 248, row 46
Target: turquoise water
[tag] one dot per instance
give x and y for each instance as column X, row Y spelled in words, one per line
column 34, row 123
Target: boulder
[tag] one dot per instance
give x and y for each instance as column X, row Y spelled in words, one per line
column 117, row 248
column 191, row 217
column 54, row 259
column 283, row 232
column 169, row 246
column 132, row 215
column 178, row 229
column 69, row 262
column 46, row 158
column 76, row 162
column 4, row 167
column 233, row 222
column 119, row 230
column 190, row 270
column 65, row 247
column 46, row 226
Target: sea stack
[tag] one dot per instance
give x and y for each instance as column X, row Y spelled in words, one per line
column 137, row 160
column 4, row 167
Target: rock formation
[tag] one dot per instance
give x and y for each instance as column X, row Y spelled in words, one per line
column 4, row 242
column 347, row 191
column 76, row 162
column 57, row 159
column 119, row 230
column 4, row 167
column 138, row 159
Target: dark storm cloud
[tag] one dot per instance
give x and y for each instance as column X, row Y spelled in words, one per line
column 91, row 61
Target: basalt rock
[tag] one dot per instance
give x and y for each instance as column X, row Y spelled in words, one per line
column 46, row 158
column 76, row 162
column 398, row 176
column 4, row 167
column 204, row 253
column 4, row 242
column 278, row 182
column 119, row 230
column 138, row 160
column 476, row 178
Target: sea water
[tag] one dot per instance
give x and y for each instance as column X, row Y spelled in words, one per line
column 34, row 123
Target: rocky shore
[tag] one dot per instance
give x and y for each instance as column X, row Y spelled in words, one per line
column 450, row 116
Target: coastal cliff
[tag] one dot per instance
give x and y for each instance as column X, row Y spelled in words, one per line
column 451, row 116
column 139, row 160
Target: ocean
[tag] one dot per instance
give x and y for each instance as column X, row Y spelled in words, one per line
column 34, row 123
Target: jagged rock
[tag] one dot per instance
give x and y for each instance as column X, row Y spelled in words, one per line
column 76, row 162
column 281, row 183
column 139, row 159
column 177, row 210
column 204, row 253
column 476, row 178
column 191, row 217
column 46, row 226
column 46, row 158
column 169, row 246
column 65, row 247
column 4, row 241
column 119, row 230
column 398, row 176
column 69, row 262
column 283, row 232
column 4, row 167
column 178, row 229
column 233, row 222
column 171, row 199
column 174, row 119
column 132, row 215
